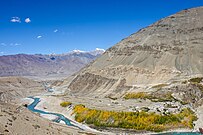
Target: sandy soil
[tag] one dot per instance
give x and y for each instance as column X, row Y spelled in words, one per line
column 17, row 120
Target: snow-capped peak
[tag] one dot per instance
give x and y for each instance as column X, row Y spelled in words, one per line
column 95, row 52
column 78, row 51
column 99, row 49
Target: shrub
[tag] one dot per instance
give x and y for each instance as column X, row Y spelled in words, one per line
column 196, row 80
column 153, row 97
column 159, row 86
column 65, row 104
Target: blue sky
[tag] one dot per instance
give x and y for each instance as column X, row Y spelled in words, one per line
column 59, row 26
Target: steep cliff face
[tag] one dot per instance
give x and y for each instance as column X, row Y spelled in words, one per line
column 168, row 50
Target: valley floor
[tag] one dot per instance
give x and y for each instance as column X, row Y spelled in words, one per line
column 16, row 119
column 52, row 104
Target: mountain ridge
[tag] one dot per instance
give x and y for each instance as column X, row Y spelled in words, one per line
column 166, row 51
column 50, row 65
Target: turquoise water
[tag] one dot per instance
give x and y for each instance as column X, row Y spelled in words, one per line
column 181, row 133
column 61, row 117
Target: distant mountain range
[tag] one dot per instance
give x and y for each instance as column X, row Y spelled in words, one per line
column 47, row 66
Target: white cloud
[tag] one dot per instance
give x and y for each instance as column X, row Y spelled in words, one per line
column 39, row 36
column 55, row 30
column 3, row 44
column 1, row 53
column 15, row 20
column 17, row 44
column 10, row 44
column 27, row 20
column 14, row 44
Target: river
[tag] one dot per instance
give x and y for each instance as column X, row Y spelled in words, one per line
column 60, row 117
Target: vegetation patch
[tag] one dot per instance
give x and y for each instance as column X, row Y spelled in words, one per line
column 196, row 80
column 135, row 120
column 165, row 97
column 138, row 95
column 153, row 97
column 65, row 104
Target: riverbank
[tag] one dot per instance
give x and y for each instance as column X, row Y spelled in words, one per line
column 52, row 104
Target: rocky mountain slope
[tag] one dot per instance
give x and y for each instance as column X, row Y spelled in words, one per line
column 18, row 120
column 165, row 52
column 46, row 65
column 12, row 89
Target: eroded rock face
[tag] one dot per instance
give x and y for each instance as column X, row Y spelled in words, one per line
column 170, row 49
column 89, row 83
column 15, row 88
column 189, row 93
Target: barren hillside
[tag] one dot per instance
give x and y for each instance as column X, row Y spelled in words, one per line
column 166, row 51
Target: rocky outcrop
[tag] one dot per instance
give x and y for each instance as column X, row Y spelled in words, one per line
column 13, row 89
column 189, row 94
column 96, row 85
column 90, row 82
